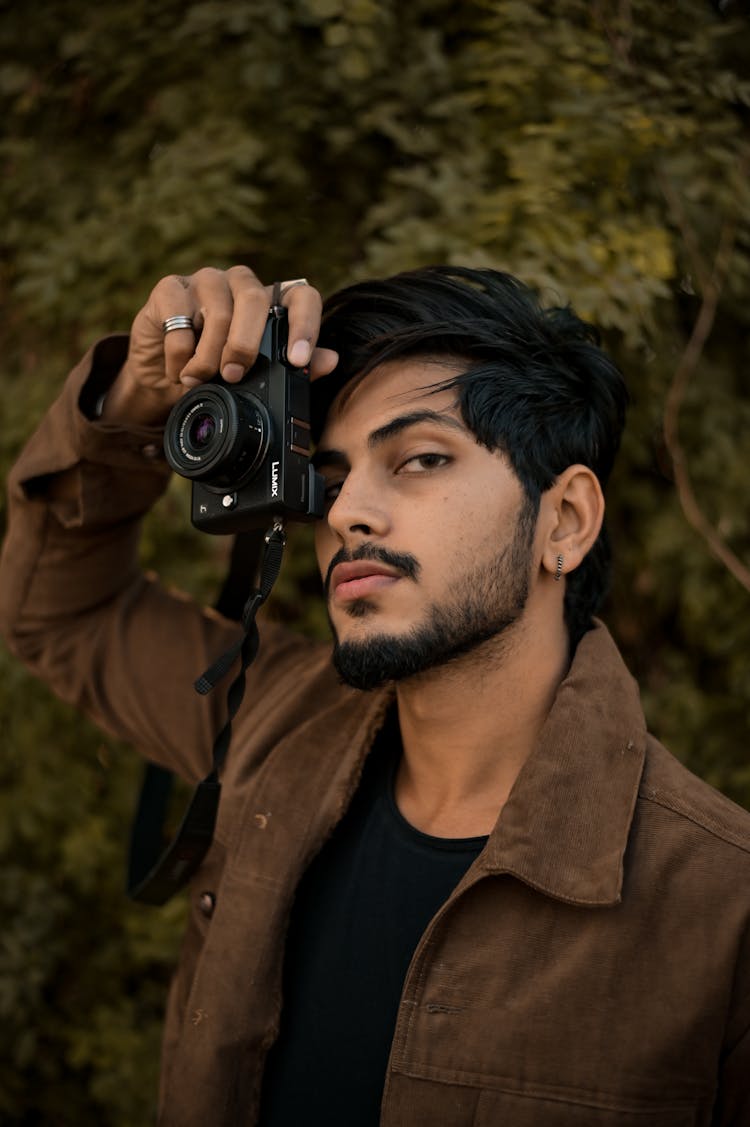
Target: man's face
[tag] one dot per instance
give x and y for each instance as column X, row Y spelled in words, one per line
column 426, row 548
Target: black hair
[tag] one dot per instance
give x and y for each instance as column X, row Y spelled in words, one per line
column 534, row 384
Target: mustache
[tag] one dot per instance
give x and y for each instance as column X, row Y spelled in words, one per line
column 408, row 565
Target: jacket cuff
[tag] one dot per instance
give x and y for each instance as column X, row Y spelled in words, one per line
column 108, row 457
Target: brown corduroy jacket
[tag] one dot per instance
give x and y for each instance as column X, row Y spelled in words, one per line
column 592, row 968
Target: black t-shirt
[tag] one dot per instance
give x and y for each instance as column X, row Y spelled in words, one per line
column 360, row 910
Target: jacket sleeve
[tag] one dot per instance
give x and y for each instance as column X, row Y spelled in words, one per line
column 75, row 606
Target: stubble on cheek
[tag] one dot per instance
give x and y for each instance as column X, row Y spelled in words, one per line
column 485, row 603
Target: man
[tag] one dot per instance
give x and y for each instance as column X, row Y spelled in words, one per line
column 453, row 880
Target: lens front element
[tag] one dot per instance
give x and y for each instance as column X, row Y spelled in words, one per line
column 201, row 431
column 217, row 435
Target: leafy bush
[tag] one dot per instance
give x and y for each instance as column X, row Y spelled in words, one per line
column 599, row 151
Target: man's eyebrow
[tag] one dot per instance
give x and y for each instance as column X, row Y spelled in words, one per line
column 403, row 422
column 390, row 430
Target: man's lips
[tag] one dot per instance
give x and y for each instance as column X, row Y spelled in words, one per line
column 359, row 578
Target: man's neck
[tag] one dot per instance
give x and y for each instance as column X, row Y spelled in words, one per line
column 468, row 727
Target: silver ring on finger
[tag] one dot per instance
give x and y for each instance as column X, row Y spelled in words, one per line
column 286, row 286
column 179, row 321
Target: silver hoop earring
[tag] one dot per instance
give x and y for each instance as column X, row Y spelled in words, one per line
column 558, row 573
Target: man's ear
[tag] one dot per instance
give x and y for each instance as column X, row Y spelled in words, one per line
column 572, row 511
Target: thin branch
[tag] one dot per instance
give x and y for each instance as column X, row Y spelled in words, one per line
column 701, row 269
column 711, row 285
column 618, row 31
column 685, row 369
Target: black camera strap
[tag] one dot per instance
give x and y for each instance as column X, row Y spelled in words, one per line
column 155, row 873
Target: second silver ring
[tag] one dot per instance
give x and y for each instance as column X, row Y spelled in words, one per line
column 286, row 286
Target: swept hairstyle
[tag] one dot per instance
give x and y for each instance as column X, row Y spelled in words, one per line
column 534, row 384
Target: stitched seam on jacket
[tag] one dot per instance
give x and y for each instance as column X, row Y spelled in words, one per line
column 583, row 1097
column 681, row 812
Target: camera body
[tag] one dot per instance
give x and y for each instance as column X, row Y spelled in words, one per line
column 246, row 446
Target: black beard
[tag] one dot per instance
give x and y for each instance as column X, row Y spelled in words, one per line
column 488, row 601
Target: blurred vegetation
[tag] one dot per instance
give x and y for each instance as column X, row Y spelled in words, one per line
column 597, row 149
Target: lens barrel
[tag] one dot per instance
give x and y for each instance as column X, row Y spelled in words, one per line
column 217, row 435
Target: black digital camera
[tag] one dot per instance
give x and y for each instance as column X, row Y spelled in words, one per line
column 246, row 446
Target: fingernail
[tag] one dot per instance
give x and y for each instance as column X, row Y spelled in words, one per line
column 189, row 381
column 299, row 353
column 232, row 372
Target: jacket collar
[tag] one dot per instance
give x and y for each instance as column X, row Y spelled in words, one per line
column 565, row 826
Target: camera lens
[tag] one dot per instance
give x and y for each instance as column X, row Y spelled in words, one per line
column 217, row 435
column 202, row 429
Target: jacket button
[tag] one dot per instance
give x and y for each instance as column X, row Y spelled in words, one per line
column 207, row 903
column 150, row 451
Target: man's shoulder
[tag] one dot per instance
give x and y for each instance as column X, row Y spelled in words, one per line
column 293, row 662
column 293, row 682
column 683, row 806
column 669, row 786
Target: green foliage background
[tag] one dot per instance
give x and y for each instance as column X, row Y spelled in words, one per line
column 599, row 150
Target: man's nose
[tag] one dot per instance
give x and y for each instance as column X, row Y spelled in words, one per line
column 358, row 510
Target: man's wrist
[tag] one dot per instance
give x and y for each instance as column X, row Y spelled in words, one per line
column 126, row 404
column 110, row 396
column 107, row 360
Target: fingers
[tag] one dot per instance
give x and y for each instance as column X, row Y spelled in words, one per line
column 304, row 305
column 232, row 311
column 229, row 310
column 170, row 297
column 232, row 306
column 323, row 361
